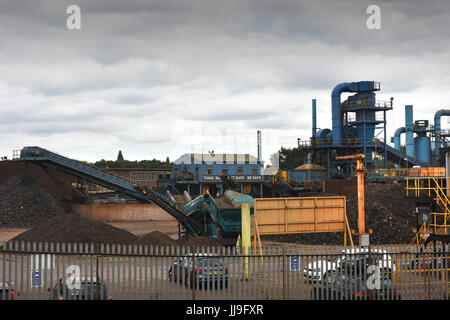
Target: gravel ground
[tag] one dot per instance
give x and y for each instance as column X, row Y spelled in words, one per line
column 158, row 238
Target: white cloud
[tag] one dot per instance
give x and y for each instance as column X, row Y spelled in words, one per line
column 167, row 77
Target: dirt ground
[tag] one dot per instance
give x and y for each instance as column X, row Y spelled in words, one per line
column 170, row 228
column 140, row 228
column 7, row 234
column 137, row 228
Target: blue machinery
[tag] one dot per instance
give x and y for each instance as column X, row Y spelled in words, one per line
column 421, row 146
column 358, row 127
column 222, row 223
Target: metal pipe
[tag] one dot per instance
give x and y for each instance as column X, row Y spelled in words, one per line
column 336, row 108
column 258, row 134
column 409, row 127
column 437, row 131
column 397, row 134
column 314, row 118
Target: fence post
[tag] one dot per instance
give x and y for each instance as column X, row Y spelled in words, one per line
column 192, row 282
column 284, row 272
column 97, row 276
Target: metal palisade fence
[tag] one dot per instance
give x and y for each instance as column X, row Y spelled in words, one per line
column 59, row 271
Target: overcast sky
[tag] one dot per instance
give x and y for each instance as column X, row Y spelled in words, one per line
column 163, row 78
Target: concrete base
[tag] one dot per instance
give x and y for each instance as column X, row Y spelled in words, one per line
column 122, row 212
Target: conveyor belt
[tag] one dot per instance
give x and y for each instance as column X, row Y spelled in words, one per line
column 108, row 180
column 398, row 156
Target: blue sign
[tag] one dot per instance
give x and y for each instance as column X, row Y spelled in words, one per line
column 293, row 263
column 35, row 279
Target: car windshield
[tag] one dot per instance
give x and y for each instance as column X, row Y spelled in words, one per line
column 209, row 262
column 360, row 257
column 335, row 278
column 85, row 289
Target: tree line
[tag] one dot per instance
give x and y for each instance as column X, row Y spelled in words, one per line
column 121, row 163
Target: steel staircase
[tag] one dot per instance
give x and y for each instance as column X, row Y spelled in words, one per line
column 437, row 223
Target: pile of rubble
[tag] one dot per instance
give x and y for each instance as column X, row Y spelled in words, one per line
column 24, row 203
column 72, row 228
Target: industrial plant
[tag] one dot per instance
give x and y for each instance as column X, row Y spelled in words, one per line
column 353, row 189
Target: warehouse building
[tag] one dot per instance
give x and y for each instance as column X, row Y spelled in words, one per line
column 200, row 173
column 148, row 177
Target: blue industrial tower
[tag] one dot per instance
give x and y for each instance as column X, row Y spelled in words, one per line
column 358, row 127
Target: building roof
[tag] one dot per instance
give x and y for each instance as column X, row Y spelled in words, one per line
column 139, row 169
column 225, row 158
column 310, row 167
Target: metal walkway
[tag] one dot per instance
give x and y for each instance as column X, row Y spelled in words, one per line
column 76, row 168
column 397, row 155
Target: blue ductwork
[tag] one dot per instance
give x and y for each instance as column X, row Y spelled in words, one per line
column 336, row 109
column 397, row 134
column 409, row 127
column 314, row 118
column 361, row 86
column 437, row 131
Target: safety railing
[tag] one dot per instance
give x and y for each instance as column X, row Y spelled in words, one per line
column 62, row 271
column 436, row 222
column 351, row 118
column 426, row 186
column 410, row 173
column 344, row 141
column 368, row 103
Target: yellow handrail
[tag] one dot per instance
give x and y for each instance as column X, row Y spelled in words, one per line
column 446, row 208
column 441, row 198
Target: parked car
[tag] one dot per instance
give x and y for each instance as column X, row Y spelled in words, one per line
column 7, row 292
column 86, row 289
column 316, row 270
column 340, row 285
column 199, row 269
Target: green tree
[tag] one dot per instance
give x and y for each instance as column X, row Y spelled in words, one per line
column 291, row 158
column 120, row 156
column 120, row 164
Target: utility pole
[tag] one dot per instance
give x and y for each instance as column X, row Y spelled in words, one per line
column 360, row 170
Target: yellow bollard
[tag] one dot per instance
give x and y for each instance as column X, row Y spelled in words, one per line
column 245, row 234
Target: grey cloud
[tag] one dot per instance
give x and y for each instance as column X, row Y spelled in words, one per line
column 138, row 69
